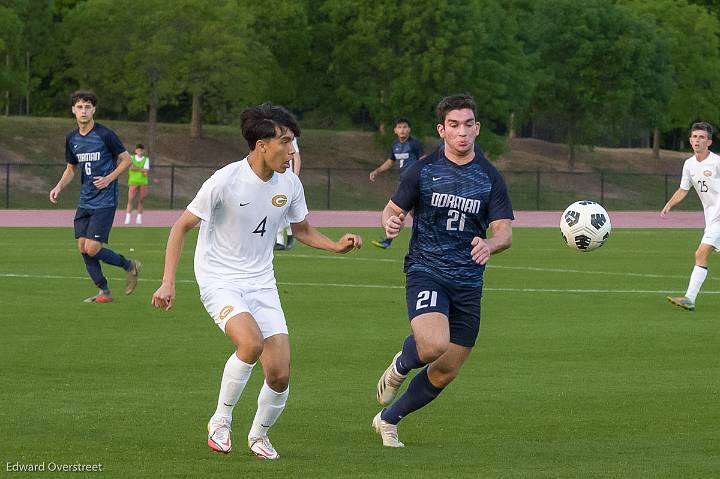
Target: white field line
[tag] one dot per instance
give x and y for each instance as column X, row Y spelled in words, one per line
column 371, row 286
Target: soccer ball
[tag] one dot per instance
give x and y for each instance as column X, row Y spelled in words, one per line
column 585, row 225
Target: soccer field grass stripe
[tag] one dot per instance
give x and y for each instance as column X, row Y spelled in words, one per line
column 376, row 286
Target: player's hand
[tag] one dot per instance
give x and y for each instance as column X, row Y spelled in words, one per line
column 101, row 182
column 393, row 225
column 480, row 251
column 373, row 175
column 54, row 193
column 348, row 242
column 164, row 297
column 664, row 212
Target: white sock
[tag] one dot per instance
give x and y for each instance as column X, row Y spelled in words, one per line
column 270, row 406
column 696, row 281
column 138, row 220
column 127, row 218
column 280, row 237
column 288, row 231
column 234, row 378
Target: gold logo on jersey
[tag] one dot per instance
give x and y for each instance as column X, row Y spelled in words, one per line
column 279, row 200
column 707, row 173
column 225, row 311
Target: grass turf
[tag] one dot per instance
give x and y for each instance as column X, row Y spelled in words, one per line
column 582, row 369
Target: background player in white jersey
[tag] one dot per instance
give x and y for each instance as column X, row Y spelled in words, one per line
column 285, row 238
column 240, row 208
column 701, row 171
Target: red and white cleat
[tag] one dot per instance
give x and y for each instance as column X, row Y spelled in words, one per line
column 261, row 447
column 219, row 434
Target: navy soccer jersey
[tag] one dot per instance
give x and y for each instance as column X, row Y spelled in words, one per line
column 452, row 204
column 96, row 153
column 406, row 154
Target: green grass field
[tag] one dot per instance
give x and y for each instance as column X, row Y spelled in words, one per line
column 582, row 369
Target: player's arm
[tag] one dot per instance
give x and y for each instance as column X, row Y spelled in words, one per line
column 500, row 240
column 297, row 162
column 306, row 233
column 384, row 167
column 676, row 198
column 165, row 294
column 65, row 180
column 124, row 162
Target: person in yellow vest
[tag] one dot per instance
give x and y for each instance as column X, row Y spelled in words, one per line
column 137, row 182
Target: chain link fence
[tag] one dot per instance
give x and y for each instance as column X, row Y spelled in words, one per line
column 26, row 186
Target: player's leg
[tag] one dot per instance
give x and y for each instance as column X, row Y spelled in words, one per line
column 275, row 360
column 280, row 239
column 92, row 265
column 699, row 272
column 98, row 232
column 140, row 204
column 132, row 191
column 290, row 239
column 247, row 338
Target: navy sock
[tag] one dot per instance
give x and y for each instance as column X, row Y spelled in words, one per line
column 389, row 240
column 95, row 271
column 419, row 393
column 111, row 257
column 409, row 359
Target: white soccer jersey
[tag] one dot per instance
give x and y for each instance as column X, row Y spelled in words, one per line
column 704, row 176
column 241, row 215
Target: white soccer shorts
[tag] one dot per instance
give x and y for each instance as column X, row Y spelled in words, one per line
column 711, row 236
column 224, row 302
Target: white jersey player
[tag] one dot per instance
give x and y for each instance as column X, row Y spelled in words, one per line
column 702, row 172
column 285, row 238
column 239, row 209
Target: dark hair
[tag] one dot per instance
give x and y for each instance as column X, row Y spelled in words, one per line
column 402, row 119
column 140, row 145
column 454, row 102
column 701, row 125
column 262, row 121
column 83, row 95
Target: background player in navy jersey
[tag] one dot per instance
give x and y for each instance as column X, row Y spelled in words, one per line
column 101, row 158
column 457, row 196
column 405, row 151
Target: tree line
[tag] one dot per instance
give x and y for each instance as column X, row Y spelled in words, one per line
column 597, row 70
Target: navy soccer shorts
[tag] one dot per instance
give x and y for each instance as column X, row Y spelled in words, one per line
column 425, row 294
column 94, row 224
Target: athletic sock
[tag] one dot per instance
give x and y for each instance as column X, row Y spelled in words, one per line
column 388, row 240
column 409, row 359
column 235, row 377
column 111, row 257
column 419, row 393
column 127, row 218
column 699, row 273
column 95, row 271
column 280, row 239
column 138, row 219
column 270, row 406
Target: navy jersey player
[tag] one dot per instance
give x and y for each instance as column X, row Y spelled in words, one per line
column 458, row 196
column 101, row 157
column 405, row 151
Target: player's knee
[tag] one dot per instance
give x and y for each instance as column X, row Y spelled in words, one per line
column 442, row 378
column 277, row 380
column 91, row 249
column 430, row 351
column 249, row 350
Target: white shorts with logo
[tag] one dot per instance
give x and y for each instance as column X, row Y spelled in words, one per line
column 225, row 301
column 711, row 235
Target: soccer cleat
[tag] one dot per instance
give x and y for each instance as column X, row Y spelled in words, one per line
column 219, row 434
column 279, row 247
column 101, row 297
column 131, row 277
column 389, row 383
column 261, row 447
column 383, row 243
column 138, row 220
column 387, row 431
column 682, row 302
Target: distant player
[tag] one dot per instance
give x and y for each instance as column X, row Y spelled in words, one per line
column 137, row 183
column 405, row 151
column 101, row 157
column 457, row 196
column 240, row 209
column 701, row 171
column 285, row 238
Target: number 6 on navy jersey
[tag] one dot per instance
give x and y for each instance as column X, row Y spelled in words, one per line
column 423, row 297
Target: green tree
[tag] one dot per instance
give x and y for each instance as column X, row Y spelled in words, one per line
column 599, row 68
column 10, row 31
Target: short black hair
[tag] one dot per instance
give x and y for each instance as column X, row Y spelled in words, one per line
column 262, row 121
column 140, row 145
column 83, row 95
column 402, row 119
column 704, row 126
column 454, row 102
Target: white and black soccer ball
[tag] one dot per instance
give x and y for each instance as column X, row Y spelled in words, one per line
column 585, row 225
